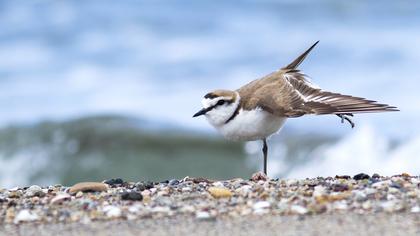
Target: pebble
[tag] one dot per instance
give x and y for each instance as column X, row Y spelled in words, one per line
column 415, row 209
column 217, row 192
column 34, row 190
column 261, row 204
column 15, row 194
column 298, row 209
column 361, row 176
column 230, row 198
column 60, row 198
column 112, row 211
column 133, row 196
column 88, row 187
column 114, row 182
column 173, row 182
column 25, row 216
column 203, row 215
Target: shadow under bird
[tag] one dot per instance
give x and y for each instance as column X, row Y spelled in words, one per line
column 259, row 109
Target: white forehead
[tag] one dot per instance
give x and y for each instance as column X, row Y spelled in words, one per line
column 208, row 102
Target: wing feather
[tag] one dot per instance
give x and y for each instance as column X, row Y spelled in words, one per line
column 289, row 93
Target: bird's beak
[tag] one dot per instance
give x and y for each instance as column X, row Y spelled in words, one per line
column 200, row 112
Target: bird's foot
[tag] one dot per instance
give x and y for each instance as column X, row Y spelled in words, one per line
column 259, row 176
column 347, row 118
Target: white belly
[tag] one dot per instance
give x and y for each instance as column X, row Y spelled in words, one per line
column 251, row 125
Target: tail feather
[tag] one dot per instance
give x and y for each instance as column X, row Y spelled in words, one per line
column 300, row 59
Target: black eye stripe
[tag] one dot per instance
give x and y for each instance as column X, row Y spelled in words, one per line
column 217, row 104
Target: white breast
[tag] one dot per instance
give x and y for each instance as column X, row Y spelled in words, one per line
column 251, row 125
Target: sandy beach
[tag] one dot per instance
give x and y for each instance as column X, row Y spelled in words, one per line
column 358, row 205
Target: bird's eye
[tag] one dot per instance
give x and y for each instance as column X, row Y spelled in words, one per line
column 220, row 102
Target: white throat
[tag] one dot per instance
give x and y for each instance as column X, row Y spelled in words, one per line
column 218, row 116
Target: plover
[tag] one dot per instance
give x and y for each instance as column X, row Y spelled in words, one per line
column 259, row 109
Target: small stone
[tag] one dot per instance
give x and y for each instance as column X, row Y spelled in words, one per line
column 376, row 176
column 173, row 182
column 367, row 205
column 361, row 176
column 34, row 190
column 133, row 196
column 340, row 205
column 114, row 182
column 10, row 215
column 259, row 176
column 112, row 211
column 415, row 209
column 88, row 187
column 339, row 187
column 406, row 175
column 360, row 196
column 298, row 209
column 261, row 205
column 15, row 194
column 217, row 192
column 201, row 180
column 141, row 186
column 292, row 182
column 218, row 184
column 203, row 215
column 79, row 194
column 60, row 198
column 319, row 191
column 388, row 206
column 25, row 216
column 343, row 177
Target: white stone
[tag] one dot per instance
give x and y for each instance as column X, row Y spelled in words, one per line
column 261, row 205
column 112, row 211
column 61, row 197
column 298, row 209
column 202, row 215
column 359, row 195
column 25, row 216
column 161, row 209
column 382, row 184
column 290, row 182
column 369, row 191
column 415, row 209
column 319, row 191
column 388, row 206
column 244, row 189
column 340, row 205
column 186, row 189
column 218, row 184
column 33, row 190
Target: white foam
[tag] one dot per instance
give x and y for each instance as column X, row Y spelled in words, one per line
column 364, row 150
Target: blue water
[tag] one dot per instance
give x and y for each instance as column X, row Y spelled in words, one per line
column 156, row 59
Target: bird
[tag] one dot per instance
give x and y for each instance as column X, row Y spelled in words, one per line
column 260, row 108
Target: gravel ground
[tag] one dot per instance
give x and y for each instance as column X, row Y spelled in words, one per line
column 334, row 205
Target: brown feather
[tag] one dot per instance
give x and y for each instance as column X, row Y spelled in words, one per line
column 288, row 93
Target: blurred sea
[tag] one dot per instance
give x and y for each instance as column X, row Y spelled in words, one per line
column 100, row 89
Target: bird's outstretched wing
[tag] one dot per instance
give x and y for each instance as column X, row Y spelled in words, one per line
column 288, row 93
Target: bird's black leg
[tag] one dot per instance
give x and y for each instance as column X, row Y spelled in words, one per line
column 265, row 150
column 346, row 117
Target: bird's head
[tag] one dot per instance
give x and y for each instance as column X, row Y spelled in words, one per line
column 219, row 106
